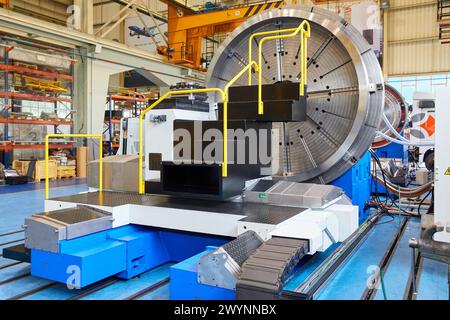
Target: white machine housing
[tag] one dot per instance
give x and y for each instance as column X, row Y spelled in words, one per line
column 442, row 164
column 423, row 116
column 334, row 222
column 158, row 134
column 131, row 134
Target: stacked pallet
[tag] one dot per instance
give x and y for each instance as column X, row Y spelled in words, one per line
column 67, row 172
column 39, row 171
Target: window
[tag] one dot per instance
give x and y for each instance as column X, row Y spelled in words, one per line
column 408, row 85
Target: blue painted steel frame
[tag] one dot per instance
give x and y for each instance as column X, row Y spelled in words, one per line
column 356, row 183
column 184, row 284
column 123, row 252
column 393, row 151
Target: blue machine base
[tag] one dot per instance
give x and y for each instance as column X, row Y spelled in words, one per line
column 356, row 183
column 128, row 251
column 391, row 151
column 184, row 284
column 123, row 252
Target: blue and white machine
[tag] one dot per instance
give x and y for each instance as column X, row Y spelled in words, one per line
column 243, row 246
column 396, row 114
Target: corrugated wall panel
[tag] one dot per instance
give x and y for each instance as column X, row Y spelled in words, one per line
column 419, row 57
column 49, row 10
column 398, row 3
column 413, row 42
column 413, row 22
column 104, row 13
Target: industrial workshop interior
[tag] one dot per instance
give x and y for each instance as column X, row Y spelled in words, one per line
column 245, row 156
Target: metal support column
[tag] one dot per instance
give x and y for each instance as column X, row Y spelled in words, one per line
column 72, row 95
column 86, row 15
column 448, row 282
column 6, row 108
column 110, row 125
column 413, row 275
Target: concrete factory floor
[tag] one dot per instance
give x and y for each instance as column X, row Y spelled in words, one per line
column 348, row 282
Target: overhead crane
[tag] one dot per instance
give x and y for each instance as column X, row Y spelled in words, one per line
column 187, row 28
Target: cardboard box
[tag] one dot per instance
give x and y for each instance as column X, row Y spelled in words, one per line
column 422, row 176
column 39, row 170
column 82, row 153
column 120, row 173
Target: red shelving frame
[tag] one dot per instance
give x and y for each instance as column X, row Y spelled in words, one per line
column 128, row 98
column 11, row 146
column 113, row 121
column 4, row 146
column 32, row 97
column 44, row 74
column 37, row 122
column 42, row 146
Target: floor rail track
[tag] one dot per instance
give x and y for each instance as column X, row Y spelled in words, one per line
column 33, row 291
column 11, row 233
column 149, row 289
column 94, row 289
column 370, row 293
column 315, row 281
column 15, row 278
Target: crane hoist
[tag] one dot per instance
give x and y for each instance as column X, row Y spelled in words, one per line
column 187, row 28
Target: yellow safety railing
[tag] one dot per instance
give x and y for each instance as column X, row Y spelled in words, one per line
column 224, row 94
column 87, row 136
column 180, row 92
column 304, row 30
column 250, row 45
column 248, row 68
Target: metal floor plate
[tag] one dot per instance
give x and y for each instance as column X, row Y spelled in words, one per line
column 252, row 212
column 74, row 215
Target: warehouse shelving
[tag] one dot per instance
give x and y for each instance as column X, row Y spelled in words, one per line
column 443, row 19
column 32, row 97
column 17, row 145
column 43, row 74
column 133, row 102
column 44, row 91
column 38, row 122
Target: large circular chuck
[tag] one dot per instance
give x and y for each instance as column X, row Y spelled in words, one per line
column 345, row 89
column 395, row 111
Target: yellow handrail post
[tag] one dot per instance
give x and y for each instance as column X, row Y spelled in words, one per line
column 47, row 147
column 250, row 41
column 302, row 64
column 47, row 186
column 304, row 33
column 224, row 94
column 141, row 148
column 180, row 92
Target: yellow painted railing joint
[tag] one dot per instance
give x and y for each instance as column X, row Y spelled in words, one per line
column 86, row 136
column 304, row 30
column 161, row 99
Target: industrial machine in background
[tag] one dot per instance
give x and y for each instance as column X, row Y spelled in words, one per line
column 405, row 142
column 434, row 240
column 344, row 101
column 423, row 121
column 396, row 111
column 393, row 156
column 235, row 229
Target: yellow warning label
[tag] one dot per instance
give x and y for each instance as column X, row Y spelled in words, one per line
column 447, row 172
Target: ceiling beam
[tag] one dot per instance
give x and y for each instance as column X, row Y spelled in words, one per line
column 142, row 9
